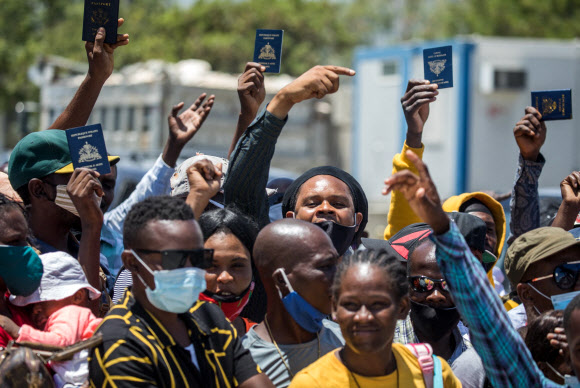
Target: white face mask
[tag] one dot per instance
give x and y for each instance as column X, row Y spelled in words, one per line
column 64, row 201
column 176, row 290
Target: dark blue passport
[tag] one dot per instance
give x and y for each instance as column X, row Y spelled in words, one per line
column 101, row 13
column 553, row 104
column 438, row 64
column 268, row 49
column 87, row 148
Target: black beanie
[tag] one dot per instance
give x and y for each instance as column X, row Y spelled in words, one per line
column 358, row 195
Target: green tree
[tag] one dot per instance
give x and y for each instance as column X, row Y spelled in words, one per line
column 522, row 18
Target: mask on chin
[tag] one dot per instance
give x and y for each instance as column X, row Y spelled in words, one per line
column 340, row 235
column 305, row 315
column 433, row 322
column 231, row 306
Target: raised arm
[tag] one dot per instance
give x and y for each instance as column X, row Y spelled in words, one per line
column 247, row 176
column 570, row 205
column 101, row 63
column 505, row 357
column 251, row 92
column 530, row 135
column 84, row 190
column 204, row 182
column 415, row 104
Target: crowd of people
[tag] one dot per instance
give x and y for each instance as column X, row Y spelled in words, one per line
column 208, row 275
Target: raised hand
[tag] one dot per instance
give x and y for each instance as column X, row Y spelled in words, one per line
column 84, row 189
column 204, row 182
column 315, row 83
column 251, row 89
column 415, row 104
column 182, row 127
column 420, row 192
column 558, row 340
column 100, row 54
column 570, row 206
column 530, row 134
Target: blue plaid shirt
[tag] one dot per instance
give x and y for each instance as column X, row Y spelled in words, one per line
column 505, row 357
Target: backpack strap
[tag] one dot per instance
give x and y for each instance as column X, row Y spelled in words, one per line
column 437, row 373
column 424, row 354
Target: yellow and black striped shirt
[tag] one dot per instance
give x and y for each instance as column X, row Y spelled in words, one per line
column 137, row 351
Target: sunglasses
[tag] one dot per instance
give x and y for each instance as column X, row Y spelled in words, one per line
column 565, row 275
column 426, row 284
column 173, row 259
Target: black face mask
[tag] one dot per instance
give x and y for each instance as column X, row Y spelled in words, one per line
column 433, row 322
column 340, row 235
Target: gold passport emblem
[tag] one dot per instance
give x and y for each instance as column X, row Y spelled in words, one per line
column 548, row 106
column 267, row 52
column 437, row 66
column 100, row 17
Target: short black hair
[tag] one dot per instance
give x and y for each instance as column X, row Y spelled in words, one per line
column 380, row 258
column 572, row 306
column 229, row 220
column 152, row 209
column 538, row 329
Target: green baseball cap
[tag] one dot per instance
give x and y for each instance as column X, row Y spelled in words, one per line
column 534, row 246
column 40, row 154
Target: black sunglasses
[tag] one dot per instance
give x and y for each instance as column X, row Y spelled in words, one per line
column 173, row 259
column 565, row 275
column 425, row 283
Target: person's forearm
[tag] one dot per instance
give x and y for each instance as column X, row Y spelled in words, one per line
column 280, row 105
column 171, row 152
column 566, row 215
column 77, row 113
column 524, row 203
column 89, row 257
column 197, row 203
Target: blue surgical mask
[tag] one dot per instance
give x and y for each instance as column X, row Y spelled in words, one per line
column 175, row 291
column 275, row 212
column 21, row 269
column 307, row 316
column 559, row 301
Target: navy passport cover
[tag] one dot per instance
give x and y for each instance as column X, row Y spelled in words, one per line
column 87, row 148
column 101, row 13
column 268, row 49
column 553, row 104
column 438, row 64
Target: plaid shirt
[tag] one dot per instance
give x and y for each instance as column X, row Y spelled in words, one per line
column 505, row 357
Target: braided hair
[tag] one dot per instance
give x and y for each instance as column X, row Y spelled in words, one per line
column 383, row 260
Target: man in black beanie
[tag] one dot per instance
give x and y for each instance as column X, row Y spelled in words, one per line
column 327, row 196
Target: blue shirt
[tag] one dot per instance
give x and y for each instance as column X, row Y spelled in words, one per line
column 155, row 182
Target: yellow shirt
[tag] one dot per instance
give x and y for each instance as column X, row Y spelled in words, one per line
column 330, row 372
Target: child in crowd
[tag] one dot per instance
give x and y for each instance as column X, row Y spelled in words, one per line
column 58, row 311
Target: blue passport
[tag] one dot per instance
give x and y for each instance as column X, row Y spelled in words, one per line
column 268, row 49
column 553, row 104
column 87, row 148
column 101, row 13
column 438, row 64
